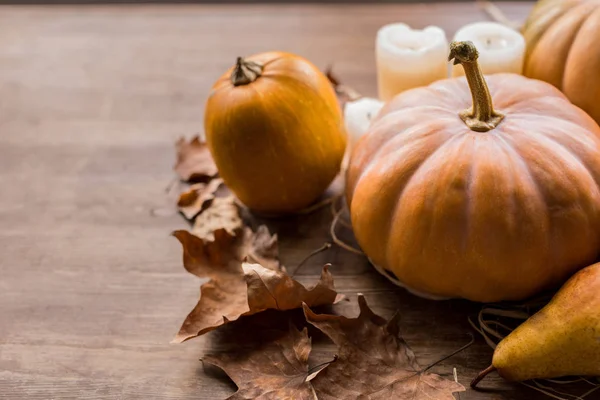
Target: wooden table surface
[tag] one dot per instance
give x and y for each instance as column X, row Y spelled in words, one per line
column 92, row 99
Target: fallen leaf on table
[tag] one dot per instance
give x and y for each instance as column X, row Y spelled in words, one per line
column 238, row 289
column 220, row 260
column 225, row 254
column 202, row 257
column 275, row 289
column 194, row 162
column 220, row 222
column 374, row 362
column 276, row 370
column 222, row 214
column 263, row 248
column 344, row 93
column 193, row 200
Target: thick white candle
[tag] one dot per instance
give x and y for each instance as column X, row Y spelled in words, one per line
column 409, row 58
column 358, row 115
column 501, row 49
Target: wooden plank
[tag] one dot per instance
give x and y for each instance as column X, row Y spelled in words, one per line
column 91, row 100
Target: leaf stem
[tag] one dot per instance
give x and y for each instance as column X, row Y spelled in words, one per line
column 322, row 365
column 455, row 352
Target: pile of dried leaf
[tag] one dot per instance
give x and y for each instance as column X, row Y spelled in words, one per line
column 246, row 278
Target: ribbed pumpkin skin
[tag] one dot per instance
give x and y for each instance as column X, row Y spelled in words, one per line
column 278, row 142
column 563, row 48
column 485, row 216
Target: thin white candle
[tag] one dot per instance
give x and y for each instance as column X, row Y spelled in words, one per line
column 501, row 49
column 409, row 58
column 358, row 115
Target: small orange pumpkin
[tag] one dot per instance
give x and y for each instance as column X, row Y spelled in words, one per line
column 563, row 48
column 275, row 130
column 482, row 204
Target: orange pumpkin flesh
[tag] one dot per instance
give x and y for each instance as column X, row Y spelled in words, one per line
column 563, row 48
column 493, row 215
column 274, row 127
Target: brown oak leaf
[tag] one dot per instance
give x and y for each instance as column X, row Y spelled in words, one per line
column 277, row 370
column 192, row 201
column 238, row 289
column 222, row 214
column 194, row 161
column 374, row 362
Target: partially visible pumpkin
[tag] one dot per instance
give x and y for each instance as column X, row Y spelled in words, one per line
column 563, row 48
column 485, row 204
column 275, row 130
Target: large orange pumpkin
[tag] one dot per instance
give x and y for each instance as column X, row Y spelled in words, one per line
column 496, row 202
column 275, row 130
column 563, row 48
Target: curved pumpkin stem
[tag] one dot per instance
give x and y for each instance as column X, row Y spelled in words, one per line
column 245, row 72
column 481, row 117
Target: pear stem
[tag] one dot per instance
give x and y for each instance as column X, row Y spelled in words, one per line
column 481, row 117
column 482, row 375
column 316, row 367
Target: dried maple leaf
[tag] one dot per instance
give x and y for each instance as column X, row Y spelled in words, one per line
column 193, row 200
column 277, row 370
column 344, row 93
column 262, row 247
column 222, row 214
column 219, row 223
column 374, row 362
column 275, row 289
column 194, row 162
column 226, row 253
column 238, row 289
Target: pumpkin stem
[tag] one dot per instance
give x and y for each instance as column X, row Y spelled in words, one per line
column 481, row 117
column 245, row 72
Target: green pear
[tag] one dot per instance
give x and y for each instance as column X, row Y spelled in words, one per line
column 562, row 339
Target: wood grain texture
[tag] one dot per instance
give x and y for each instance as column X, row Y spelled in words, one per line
column 92, row 99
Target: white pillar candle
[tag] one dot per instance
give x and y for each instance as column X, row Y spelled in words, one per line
column 358, row 115
column 501, row 49
column 409, row 58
